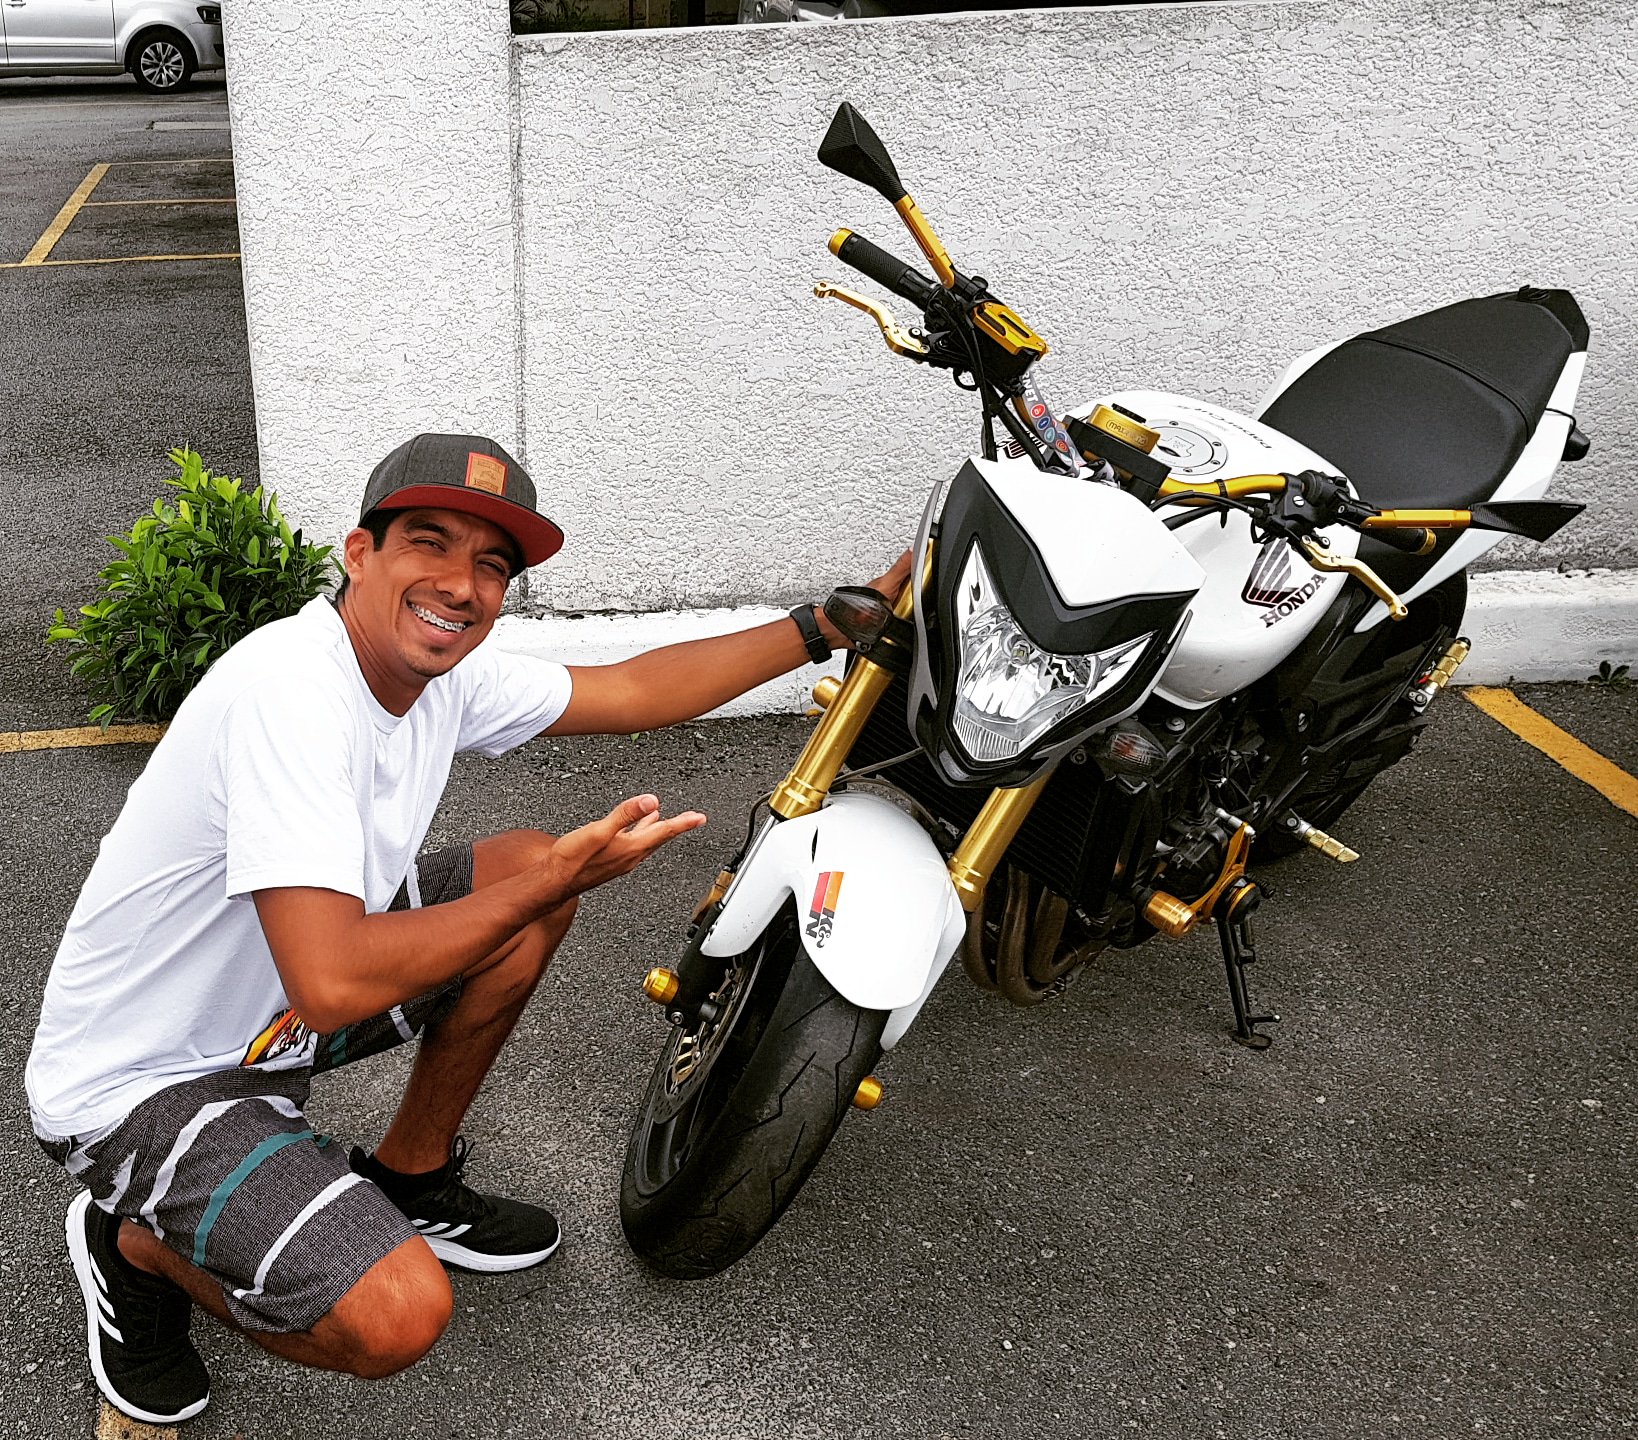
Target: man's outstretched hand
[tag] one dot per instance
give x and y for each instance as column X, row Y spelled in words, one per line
column 613, row 846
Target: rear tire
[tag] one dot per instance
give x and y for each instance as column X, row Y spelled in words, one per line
column 1324, row 798
column 732, row 1125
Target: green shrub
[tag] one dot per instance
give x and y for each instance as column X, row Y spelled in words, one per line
column 208, row 566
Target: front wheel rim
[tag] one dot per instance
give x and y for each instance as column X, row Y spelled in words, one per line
column 161, row 65
column 665, row 1140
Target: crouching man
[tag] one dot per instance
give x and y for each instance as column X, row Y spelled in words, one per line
column 258, row 913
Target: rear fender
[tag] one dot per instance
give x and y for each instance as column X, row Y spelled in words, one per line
column 875, row 908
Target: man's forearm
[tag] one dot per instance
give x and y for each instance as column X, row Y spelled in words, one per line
column 340, row 965
column 680, row 682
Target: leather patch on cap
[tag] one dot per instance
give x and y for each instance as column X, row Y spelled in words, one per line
column 485, row 472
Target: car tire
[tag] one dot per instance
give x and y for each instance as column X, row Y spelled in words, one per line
column 161, row 61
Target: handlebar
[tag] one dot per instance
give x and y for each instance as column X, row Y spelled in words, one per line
column 888, row 271
column 1413, row 541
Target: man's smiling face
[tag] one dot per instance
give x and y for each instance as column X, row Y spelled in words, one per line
column 425, row 599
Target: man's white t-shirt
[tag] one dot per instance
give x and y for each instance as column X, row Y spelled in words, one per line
column 280, row 769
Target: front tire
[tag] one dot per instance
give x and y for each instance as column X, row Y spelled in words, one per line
column 737, row 1116
column 162, row 62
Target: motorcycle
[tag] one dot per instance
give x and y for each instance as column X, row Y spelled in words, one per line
column 1146, row 639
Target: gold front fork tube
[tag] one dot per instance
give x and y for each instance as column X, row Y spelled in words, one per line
column 987, row 839
column 804, row 789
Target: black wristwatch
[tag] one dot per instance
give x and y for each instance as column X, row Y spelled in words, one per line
column 813, row 637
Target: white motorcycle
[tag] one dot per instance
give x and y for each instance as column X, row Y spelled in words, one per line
column 1146, row 639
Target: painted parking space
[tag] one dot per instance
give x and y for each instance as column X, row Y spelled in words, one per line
column 1565, row 750
column 148, row 211
column 1603, row 716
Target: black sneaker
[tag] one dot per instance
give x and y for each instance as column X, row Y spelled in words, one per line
column 465, row 1229
column 136, row 1325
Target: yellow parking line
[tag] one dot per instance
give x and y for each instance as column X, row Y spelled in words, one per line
column 115, row 260
column 205, row 200
column 65, row 216
column 13, row 741
column 1582, row 761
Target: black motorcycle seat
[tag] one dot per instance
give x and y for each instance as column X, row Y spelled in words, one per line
column 1431, row 413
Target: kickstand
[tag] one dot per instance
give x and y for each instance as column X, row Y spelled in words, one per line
column 1239, row 950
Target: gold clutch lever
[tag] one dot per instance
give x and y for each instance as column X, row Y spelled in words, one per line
column 1322, row 559
column 899, row 340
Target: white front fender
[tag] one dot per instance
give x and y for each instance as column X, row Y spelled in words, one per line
column 876, row 910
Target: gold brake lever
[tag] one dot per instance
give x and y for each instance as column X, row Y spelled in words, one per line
column 899, row 340
column 1323, row 560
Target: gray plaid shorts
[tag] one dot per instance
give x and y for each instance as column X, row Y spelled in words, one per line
column 226, row 1171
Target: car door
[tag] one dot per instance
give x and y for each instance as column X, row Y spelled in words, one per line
column 59, row 32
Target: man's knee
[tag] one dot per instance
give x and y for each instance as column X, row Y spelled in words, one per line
column 393, row 1316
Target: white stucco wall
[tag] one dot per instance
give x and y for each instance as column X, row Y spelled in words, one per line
column 373, row 158
column 1182, row 197
column 599, row 248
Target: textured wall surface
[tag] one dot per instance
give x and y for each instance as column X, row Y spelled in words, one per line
column 373, row 160
column 1177, row 196
column 601, row 246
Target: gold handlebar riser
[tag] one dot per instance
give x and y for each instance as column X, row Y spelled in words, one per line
column 931, row 246
column 1124, row 428
column 803, row 791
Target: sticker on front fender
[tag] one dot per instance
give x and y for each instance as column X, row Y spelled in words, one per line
column 898, row 924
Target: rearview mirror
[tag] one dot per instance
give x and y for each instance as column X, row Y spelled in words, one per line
column 852, row 148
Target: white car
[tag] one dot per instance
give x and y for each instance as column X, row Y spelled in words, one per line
column 161, row 42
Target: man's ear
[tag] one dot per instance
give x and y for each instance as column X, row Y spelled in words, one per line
column 354, row 548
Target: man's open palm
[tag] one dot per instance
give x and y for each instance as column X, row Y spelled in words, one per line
column 614, row 845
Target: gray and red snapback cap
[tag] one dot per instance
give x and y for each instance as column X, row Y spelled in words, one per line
column 467, row 473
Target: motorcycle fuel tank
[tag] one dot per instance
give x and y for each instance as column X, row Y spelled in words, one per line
column 1259, row 601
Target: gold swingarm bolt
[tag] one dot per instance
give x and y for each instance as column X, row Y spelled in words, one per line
column 899, row 340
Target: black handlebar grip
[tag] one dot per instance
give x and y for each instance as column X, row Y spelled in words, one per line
column 888, row 271
column 1415, row 541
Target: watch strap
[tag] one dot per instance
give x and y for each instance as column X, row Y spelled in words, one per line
column 812, row 636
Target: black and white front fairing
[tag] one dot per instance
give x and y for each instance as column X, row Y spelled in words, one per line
column 1055, row 604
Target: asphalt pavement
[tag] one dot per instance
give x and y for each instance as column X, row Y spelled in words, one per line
column 1411, row 1216
column 105, row 367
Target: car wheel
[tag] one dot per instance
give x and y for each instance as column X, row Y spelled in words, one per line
column 162, row 61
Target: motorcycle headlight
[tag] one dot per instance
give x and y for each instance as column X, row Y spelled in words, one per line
column 1010, row 691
